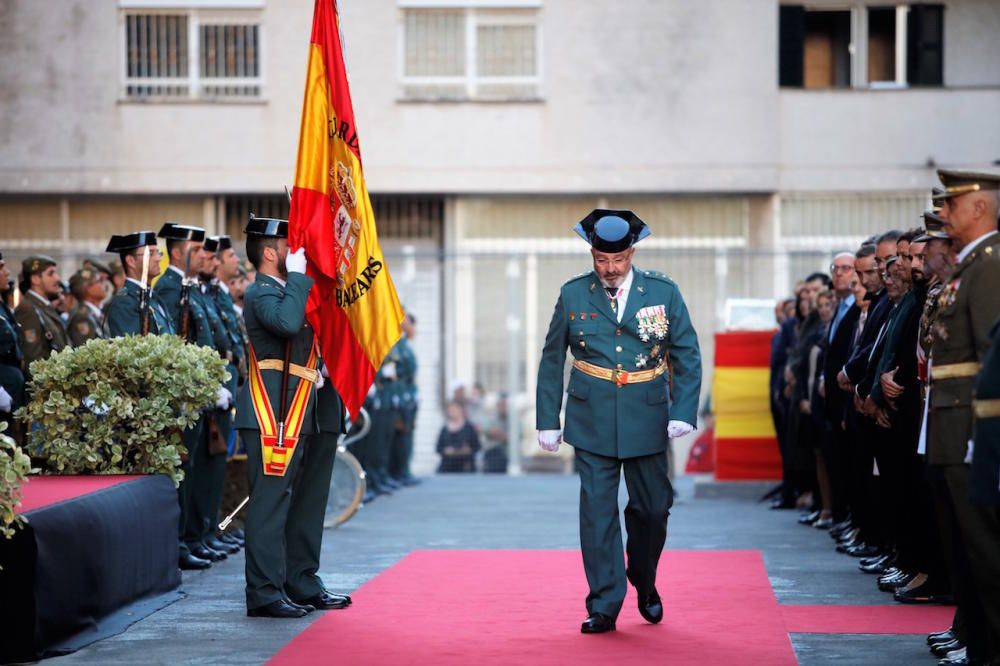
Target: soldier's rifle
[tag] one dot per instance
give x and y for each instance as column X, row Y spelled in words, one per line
column 185, row 300
column 144, row 295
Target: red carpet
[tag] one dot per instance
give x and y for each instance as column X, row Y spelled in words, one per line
column 525, row 607
column 892, row 619
column 41, row 491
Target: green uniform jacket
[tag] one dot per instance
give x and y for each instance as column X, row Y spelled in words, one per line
column 968, row 305
column 11, row 377
column 984, row 480
column 273, row 315
column 168, row 289
column 121, row 316
column 330, row 409
column 83, row 325
column 231, row 320
column 601, row 417
column 42, row 329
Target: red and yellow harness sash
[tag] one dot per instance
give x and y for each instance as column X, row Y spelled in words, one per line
column 278, row 447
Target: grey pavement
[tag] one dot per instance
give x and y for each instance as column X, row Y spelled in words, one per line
column 210, row 626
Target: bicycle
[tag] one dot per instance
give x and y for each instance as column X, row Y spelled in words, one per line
column 347, row 484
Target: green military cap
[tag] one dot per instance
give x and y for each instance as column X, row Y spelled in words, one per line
column 933, row 228
column 36, row 263
column 959, row 181
column 96, row 265
column 82, row 277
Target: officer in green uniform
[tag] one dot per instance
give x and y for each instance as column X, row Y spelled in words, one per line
column 11, row 377
column 42, row 329
column 177, row 290
column 124, row 313
column 384, row 413
column 218, row 291
column 284, row 520
column 634, row 385
column 86, row 322
column 401, row 449
column 968, row 305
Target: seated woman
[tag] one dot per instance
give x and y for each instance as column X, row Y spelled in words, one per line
column 458, row 442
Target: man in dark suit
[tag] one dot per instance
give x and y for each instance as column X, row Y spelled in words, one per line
column 836, row 399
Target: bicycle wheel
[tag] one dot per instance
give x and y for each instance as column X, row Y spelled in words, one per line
column 347, row 488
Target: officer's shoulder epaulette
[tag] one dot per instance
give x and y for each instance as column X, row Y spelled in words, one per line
column 657, row 275
column 575, row 278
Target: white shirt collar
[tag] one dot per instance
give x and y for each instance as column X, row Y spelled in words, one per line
column 138, row 283
column 171, row 267
column 222, row 285
column 96, row 310
column 39, row 297
column 625, row 286
column 967, row 250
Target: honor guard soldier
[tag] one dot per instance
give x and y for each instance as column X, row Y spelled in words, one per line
column 968, row 306
column 209, row 474
column 86, row 321
column 401, row 449
column 135, row 304
column 177, row 289
column 42, row 328
column 11, row 377
column 276, row 416
column 634, row 385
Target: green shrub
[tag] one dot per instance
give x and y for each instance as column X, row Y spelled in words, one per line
column 14, row 468
column 119, row 406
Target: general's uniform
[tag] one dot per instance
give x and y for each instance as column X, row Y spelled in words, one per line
column 968, row 305
column 284, row 519
column 632, row 375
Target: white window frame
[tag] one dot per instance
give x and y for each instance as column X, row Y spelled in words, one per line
column 204, row 13
column 474, row 18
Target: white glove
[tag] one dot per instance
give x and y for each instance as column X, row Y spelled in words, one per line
column 322, row 382
column 325, row 371
column 295, row 262
column 549, row 440
column 677, row 429
column 6, row 402
column 225, row 398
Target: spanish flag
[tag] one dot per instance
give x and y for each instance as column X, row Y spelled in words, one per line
column 745, row 443
column 353, row 306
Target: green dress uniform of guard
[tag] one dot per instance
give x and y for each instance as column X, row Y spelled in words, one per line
column 401, row 449
column 11, row 376
column 184, row 249
column 123, row 313
column 42, row 330
column 636, row 377
column 284, row 519
column 968, row 305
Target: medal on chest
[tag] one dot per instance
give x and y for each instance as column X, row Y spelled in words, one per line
column 652, row 323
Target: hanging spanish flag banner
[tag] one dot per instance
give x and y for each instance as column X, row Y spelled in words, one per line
column 353, row 305
column 745, row 443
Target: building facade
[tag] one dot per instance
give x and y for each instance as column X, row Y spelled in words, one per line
column 755, row 137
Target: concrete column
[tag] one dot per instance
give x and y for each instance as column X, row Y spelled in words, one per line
column 763, row 245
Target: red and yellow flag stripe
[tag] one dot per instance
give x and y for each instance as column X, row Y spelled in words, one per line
column 353, row 305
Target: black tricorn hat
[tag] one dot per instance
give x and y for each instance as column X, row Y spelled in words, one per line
column 218, row 243
column 183, row 232
column 119, row 244
column 611, row 230
column 269, row 227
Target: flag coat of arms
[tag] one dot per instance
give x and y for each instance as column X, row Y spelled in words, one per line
column 353, row 305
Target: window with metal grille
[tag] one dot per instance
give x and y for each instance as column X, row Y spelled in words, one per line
column 196, row 54
column 471, row 53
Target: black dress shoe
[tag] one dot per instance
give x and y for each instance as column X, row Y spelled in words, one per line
column 957, row 658
column 207, row 553
column 279, row 609
column 369, row 496
column 940, row 650
column 941, row 636
column 651, row 608
column 863, row 550
column 597, row 623
column 410, row 481
column 780, row 504
column 189, row 562
column 232, row 540
column 309, row 608
column 876, row 565
column 896, row 582
column 222, row 547
column 927, row 592
column 809, row 518
column 327, row 601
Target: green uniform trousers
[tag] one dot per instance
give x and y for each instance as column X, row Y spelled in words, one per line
column 402, row 444
column 284, row 520
column 208, row 481
column 379, row 442
column 650, row 498
column 192, row 438
column 977, row 552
